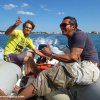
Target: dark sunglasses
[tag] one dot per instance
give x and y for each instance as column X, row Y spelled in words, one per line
column 64, row 24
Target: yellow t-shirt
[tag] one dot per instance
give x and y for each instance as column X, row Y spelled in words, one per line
column 18, row 42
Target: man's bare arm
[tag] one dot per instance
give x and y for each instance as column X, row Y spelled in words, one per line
column 10, row 30
column 74, row 55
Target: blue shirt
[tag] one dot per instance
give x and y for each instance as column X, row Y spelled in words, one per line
column 82, row 40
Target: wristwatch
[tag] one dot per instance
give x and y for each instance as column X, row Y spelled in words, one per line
column 52, row 55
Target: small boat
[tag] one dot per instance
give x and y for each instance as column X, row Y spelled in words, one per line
column 10, row 73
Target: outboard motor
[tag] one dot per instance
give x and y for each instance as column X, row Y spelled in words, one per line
column 41, row 59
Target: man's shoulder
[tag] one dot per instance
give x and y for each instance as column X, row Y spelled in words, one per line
column 80, row 33
column 19, row 32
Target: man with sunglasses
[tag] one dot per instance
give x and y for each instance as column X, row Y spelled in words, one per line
column 80, row 66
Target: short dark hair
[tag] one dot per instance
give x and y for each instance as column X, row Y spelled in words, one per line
column 30, row 22
column 73, row 21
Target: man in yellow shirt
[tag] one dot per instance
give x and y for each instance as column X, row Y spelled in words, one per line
column 18, row 41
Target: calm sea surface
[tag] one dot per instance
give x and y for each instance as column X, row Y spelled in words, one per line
column 56, row 39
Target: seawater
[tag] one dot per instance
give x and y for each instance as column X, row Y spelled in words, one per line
column 56, row 40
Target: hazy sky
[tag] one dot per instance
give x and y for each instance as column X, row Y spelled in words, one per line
column 48, row 14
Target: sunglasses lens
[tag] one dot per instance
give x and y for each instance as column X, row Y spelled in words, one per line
column 63, row 25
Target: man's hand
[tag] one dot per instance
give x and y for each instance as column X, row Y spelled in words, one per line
column 10, row 30
column 47, row 50
column 18, row 21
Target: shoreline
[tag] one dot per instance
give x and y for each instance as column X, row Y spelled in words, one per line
column 3, row 32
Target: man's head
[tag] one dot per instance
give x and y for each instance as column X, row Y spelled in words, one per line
column 68, row 25
column 28, row 26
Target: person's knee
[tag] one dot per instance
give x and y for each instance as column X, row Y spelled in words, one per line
column 30, row 54
column 57, row 95
column 60, row 97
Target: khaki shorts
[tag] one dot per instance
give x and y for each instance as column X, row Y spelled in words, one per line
column 61, row 94
column 64, row 76
column 53, row 79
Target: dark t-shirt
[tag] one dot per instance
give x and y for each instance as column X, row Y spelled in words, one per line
column 82, row 40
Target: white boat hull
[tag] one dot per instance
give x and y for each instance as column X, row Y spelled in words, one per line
column 9, row 74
